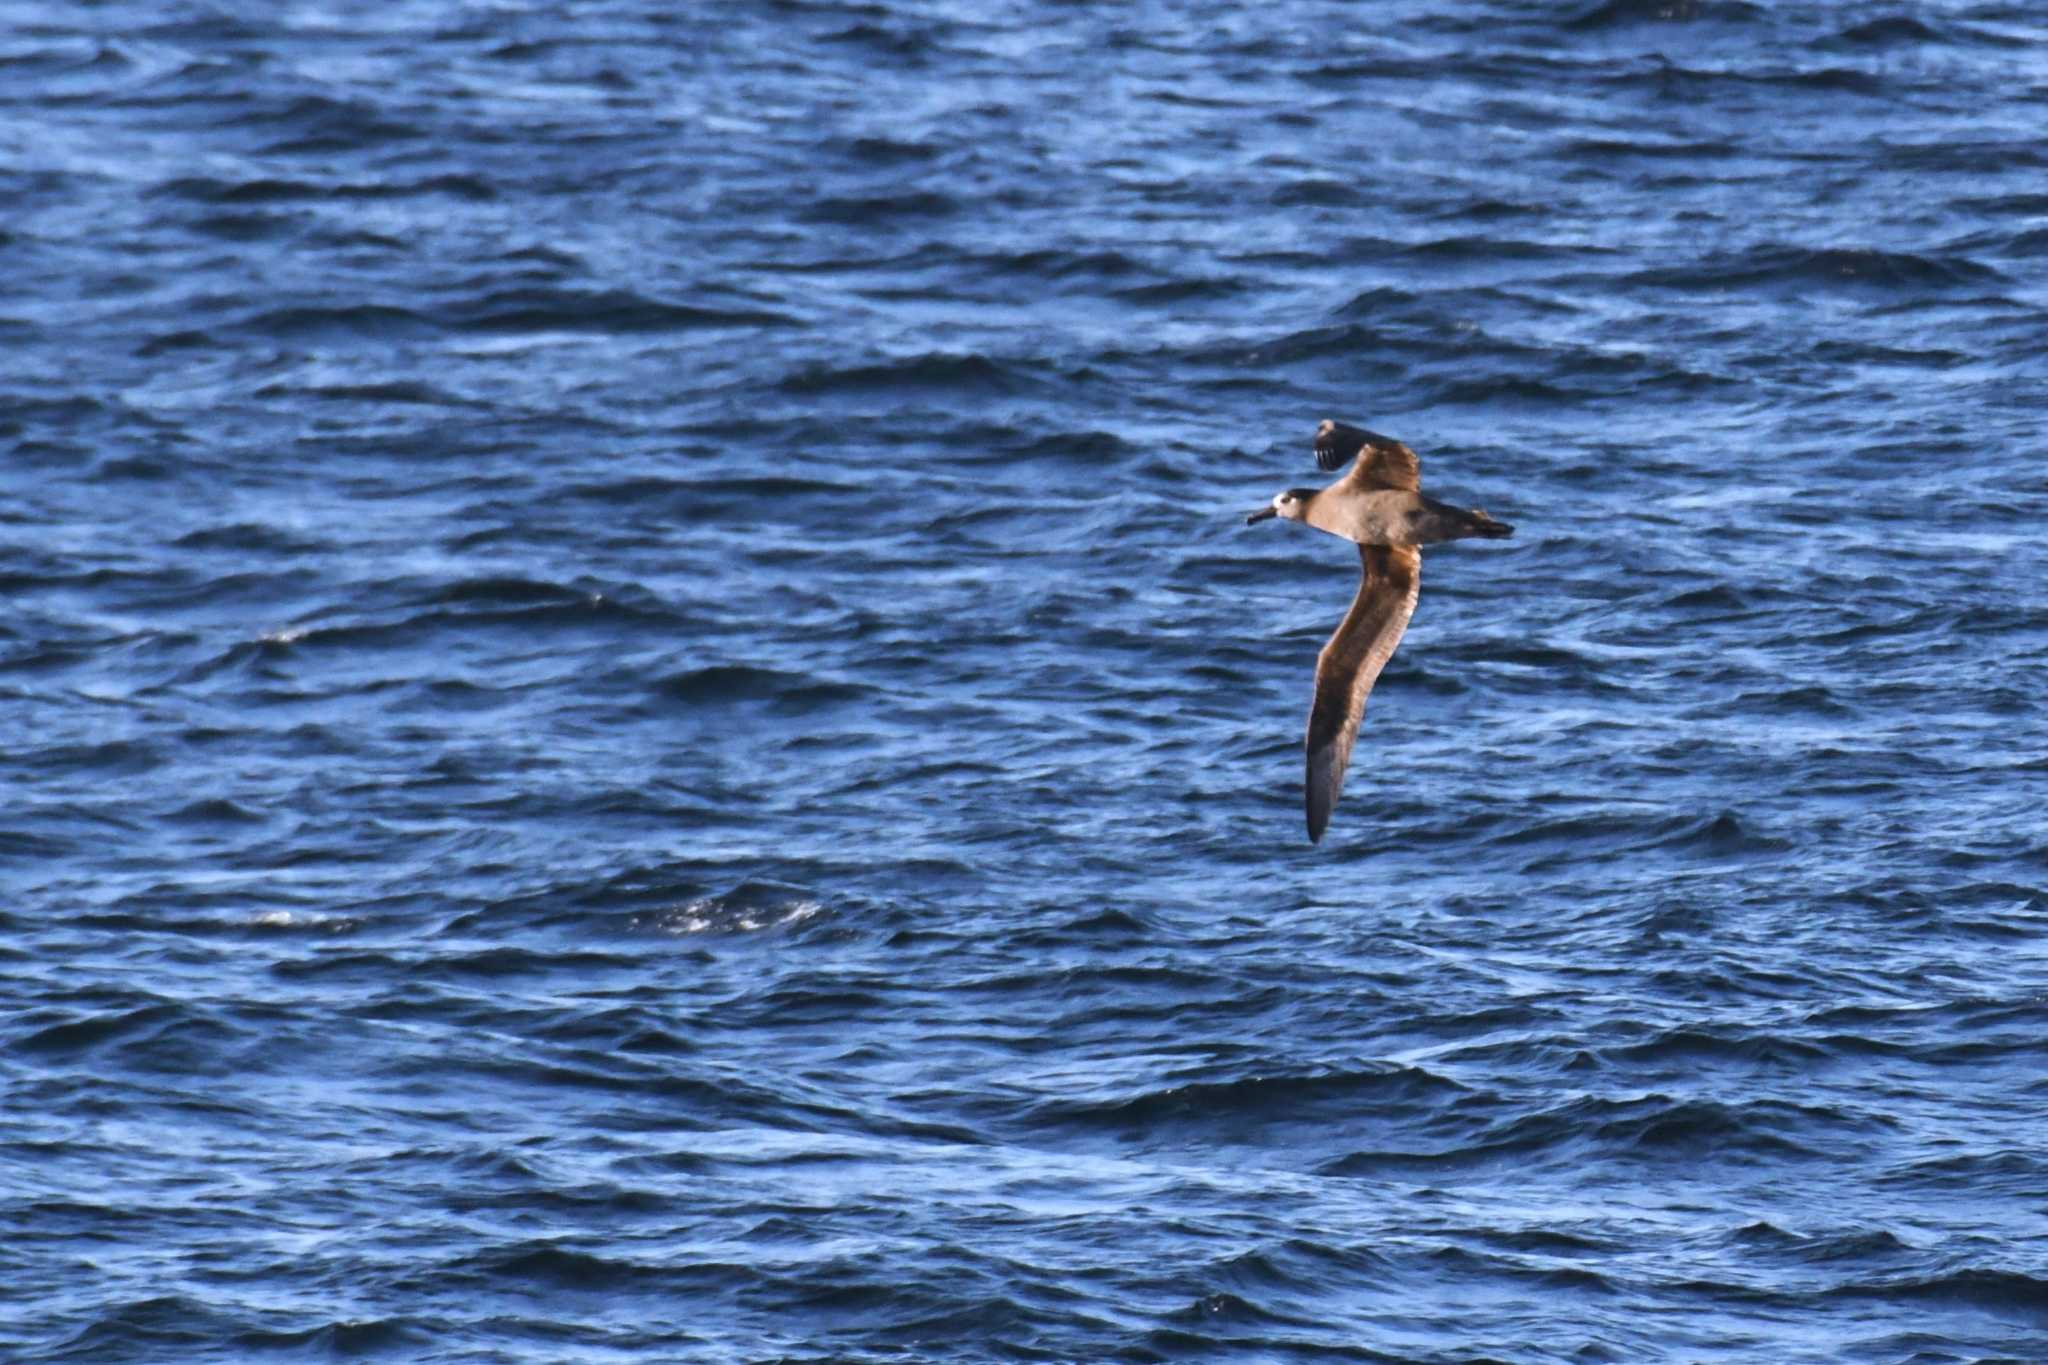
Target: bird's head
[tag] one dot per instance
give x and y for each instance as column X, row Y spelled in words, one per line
column 1291, row 505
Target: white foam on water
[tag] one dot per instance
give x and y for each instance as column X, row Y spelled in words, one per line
column 710, row 915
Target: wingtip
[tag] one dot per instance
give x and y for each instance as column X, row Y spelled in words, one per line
column 1488, row 528
column 1319, row 800
column 1335, row 443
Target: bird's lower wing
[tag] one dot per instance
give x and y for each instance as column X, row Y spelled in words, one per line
column 1350, row 663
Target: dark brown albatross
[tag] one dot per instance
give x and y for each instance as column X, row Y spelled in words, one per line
column 1379, row 506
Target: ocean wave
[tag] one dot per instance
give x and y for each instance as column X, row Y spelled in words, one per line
column 272, row 190
column 610, row 311
column 867, row 209
column 1788, row 266
column 716, row 915
column 1624, row 13
column 714, row 684
column 937, row 372
column 1258, row 1101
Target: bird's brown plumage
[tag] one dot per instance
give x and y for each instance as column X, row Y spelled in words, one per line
column 1390, row 576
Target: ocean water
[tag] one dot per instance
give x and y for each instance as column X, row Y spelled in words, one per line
column 641, row 725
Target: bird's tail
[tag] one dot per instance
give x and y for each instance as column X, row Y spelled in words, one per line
column 1487, row 528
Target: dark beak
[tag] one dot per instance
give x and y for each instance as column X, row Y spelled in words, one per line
column 1260, row 515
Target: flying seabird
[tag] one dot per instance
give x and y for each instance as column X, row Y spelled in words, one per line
column 1377, row 505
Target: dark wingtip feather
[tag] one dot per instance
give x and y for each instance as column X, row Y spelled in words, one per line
column 1336, row 443
column 1489, row 529
column 1321, row 793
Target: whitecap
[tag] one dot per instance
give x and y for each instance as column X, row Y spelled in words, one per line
column 711, row 915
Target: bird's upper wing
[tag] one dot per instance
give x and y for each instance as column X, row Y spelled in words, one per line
column 1382, row 461
column 1350, row 663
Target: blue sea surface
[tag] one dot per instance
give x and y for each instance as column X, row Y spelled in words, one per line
column 640, row 723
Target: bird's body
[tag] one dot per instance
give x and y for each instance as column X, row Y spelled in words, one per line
column 1379, row 506
column 1388, row 517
